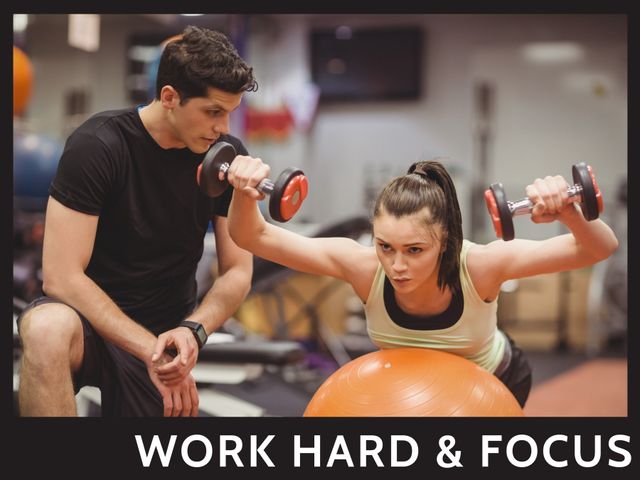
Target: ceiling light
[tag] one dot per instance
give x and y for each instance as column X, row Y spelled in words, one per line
column 20, row 21
column 553, row 52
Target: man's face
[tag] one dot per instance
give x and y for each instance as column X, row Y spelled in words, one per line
column 200, row 121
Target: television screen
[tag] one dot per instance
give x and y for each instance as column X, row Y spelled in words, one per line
column 367, row 64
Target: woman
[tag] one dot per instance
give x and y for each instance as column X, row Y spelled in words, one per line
column 422, row 283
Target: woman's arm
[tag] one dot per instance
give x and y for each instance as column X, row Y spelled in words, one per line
column 587, row 243
column 341, row 258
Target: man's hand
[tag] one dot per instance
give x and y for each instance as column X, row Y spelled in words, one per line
column 172, row 371
column 178, row 400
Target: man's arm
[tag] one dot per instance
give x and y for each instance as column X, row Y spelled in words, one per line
column 68, row 244
column 235, row 268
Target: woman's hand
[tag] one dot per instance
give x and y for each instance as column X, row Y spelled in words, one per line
column 550, row 199
column 245, row 173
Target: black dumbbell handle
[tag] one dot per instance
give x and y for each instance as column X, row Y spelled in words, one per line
column 525, row 205
column 265, row 186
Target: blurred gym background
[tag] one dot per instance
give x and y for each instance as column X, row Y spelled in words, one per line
column 352, row 100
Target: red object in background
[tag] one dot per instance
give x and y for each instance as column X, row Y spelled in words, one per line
column 267, row 124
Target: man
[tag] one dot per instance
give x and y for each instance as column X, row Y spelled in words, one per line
column 125, row 225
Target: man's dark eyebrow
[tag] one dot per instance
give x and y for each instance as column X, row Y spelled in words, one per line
column 215, row 106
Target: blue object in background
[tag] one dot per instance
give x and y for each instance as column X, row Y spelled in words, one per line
column 35, row 160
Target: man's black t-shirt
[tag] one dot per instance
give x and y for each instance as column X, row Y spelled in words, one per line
column 153, row 216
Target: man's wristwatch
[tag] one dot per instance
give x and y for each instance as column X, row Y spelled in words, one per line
column 198, row 331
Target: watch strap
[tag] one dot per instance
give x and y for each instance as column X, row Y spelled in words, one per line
column 198, row 331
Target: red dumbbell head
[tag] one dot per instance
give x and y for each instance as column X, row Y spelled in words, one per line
column 493, row 211
column 294, row 194
column 597, row 189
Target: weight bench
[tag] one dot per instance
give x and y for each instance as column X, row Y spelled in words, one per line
column 228, row 361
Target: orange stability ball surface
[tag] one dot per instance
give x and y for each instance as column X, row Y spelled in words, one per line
column 412, row 382
column 22, row 80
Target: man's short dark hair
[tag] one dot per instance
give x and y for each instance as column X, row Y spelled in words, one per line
column 202, row 58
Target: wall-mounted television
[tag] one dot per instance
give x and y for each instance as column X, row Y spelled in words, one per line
column 351, row 64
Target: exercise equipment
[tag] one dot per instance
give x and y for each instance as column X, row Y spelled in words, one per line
column 286, row 194
column 290, row 306
column 608, row 289
column 585, row 192
column 22, row 80
column 412, row 382
column 35, row 160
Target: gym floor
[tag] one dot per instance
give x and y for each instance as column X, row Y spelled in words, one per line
column 563, row 385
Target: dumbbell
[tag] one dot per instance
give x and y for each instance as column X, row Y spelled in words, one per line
column 286, row 194
column 585, row 191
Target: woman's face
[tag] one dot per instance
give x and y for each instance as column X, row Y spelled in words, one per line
column 408, row 251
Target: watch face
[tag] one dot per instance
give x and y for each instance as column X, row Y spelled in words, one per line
column 198, row 331
column 202, row 335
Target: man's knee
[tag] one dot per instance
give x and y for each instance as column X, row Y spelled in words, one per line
column 51, row 331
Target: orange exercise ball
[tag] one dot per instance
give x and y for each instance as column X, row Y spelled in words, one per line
column 22, row 80
column 412, row 382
